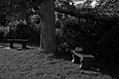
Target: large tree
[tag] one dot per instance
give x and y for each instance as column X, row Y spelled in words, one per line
column 22, row 9
column 48, row 41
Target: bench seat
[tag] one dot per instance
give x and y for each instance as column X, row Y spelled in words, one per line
column 21, row 41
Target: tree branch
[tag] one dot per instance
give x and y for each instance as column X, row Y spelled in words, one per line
column 89, row 15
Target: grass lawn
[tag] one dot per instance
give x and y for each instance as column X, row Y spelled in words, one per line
column 32, row 64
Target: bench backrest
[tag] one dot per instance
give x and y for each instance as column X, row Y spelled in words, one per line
column 16, row 40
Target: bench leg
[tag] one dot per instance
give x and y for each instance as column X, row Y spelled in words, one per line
column 11, row 45
column 76, row 59
column 24, row 46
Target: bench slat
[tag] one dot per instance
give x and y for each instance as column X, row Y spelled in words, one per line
column 16, row 40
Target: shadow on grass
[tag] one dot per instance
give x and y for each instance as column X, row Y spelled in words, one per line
column 33, row 44
column 112, row 70
column 102, row 66
column 107, row 68
column 64, row 56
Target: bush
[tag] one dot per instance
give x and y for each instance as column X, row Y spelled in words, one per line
column 68, row 35
column 98, row 39
column 3, row 31
column 24, row 31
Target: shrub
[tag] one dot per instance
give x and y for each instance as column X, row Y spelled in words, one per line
column 3, row 32
column 68, row 35
column 24, row 31
column 98, row 39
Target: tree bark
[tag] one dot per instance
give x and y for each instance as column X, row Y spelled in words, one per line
column 48, row 39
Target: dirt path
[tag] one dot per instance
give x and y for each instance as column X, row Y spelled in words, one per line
column 31, row 64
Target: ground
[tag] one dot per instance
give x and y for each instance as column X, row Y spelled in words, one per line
column 32, row 64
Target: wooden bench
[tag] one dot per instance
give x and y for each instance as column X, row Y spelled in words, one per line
column 21, row 41
column 85, row 61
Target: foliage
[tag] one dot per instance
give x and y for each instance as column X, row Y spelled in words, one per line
column 96, row 38
column 11, row 10
column 65, row 4
column 24, row 30
column 3, row 32
column 12, row 15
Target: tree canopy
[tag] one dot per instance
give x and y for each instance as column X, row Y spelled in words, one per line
column 96, row 29
column 105, row 11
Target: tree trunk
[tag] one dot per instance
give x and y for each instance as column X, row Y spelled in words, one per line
column 48, row 39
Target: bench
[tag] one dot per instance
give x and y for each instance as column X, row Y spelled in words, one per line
column 85, row 61
column 21, row 41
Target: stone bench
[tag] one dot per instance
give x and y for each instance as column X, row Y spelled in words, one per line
column 20, row 41
column 85, row 61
